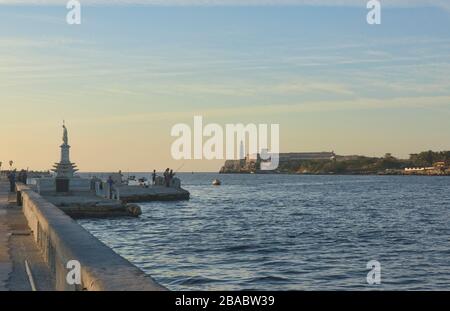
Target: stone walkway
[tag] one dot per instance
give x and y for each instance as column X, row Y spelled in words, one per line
column 5, row 260
column 16, row 246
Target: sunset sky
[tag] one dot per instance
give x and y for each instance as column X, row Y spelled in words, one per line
column 132, row 70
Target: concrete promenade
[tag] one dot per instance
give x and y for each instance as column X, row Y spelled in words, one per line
column 62, row 240
column 38, row 240
column 16, row 246
column 5, row 260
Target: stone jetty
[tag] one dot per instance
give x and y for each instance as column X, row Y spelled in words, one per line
column 136, row 194
column 84, row 197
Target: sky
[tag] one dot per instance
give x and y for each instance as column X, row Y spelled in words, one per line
column 134, row 69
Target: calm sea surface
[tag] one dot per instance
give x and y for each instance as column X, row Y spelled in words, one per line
column 290, row 232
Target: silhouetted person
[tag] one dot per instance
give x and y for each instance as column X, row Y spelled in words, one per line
column 167, row 177
column 110, row 184
column 12, row 181
column 171, row 174
column 22, row 177
column 154, row 177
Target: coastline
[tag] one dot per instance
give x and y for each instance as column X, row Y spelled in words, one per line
column 332, row 174
column 427, row 163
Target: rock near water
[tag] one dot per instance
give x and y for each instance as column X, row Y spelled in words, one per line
column 134, row 209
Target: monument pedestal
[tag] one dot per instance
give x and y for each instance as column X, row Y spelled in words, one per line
column 62, row 185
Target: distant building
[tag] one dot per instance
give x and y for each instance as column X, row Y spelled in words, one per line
column 440, row 165
column 297, row 156
column 255, row 159
column 422, row 170
column 417, row 169
column 251, row 162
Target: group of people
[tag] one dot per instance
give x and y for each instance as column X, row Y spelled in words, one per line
column 13, row 177
column 168, row 176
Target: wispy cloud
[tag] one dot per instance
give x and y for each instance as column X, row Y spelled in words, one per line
column 11, row 42
column 442, row 4
column 439, row 103
column 390, row 3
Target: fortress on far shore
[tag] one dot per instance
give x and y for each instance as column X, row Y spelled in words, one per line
column 251, row 164
column 427, row 163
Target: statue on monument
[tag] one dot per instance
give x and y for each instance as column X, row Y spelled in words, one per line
column 65, row 136
column 65, row 168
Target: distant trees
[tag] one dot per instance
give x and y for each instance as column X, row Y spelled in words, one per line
column 364, row 165
column 390, row 163
column 428, row 158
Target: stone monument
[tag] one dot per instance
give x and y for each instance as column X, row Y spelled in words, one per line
column 65, row 169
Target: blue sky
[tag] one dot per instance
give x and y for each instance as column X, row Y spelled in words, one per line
column 130, row 72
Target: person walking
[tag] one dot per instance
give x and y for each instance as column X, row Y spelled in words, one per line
column 22, row 177
column 25, row 177
column 19, row 176
column 12, row 181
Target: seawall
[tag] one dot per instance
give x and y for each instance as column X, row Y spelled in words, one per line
column 61, row 240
